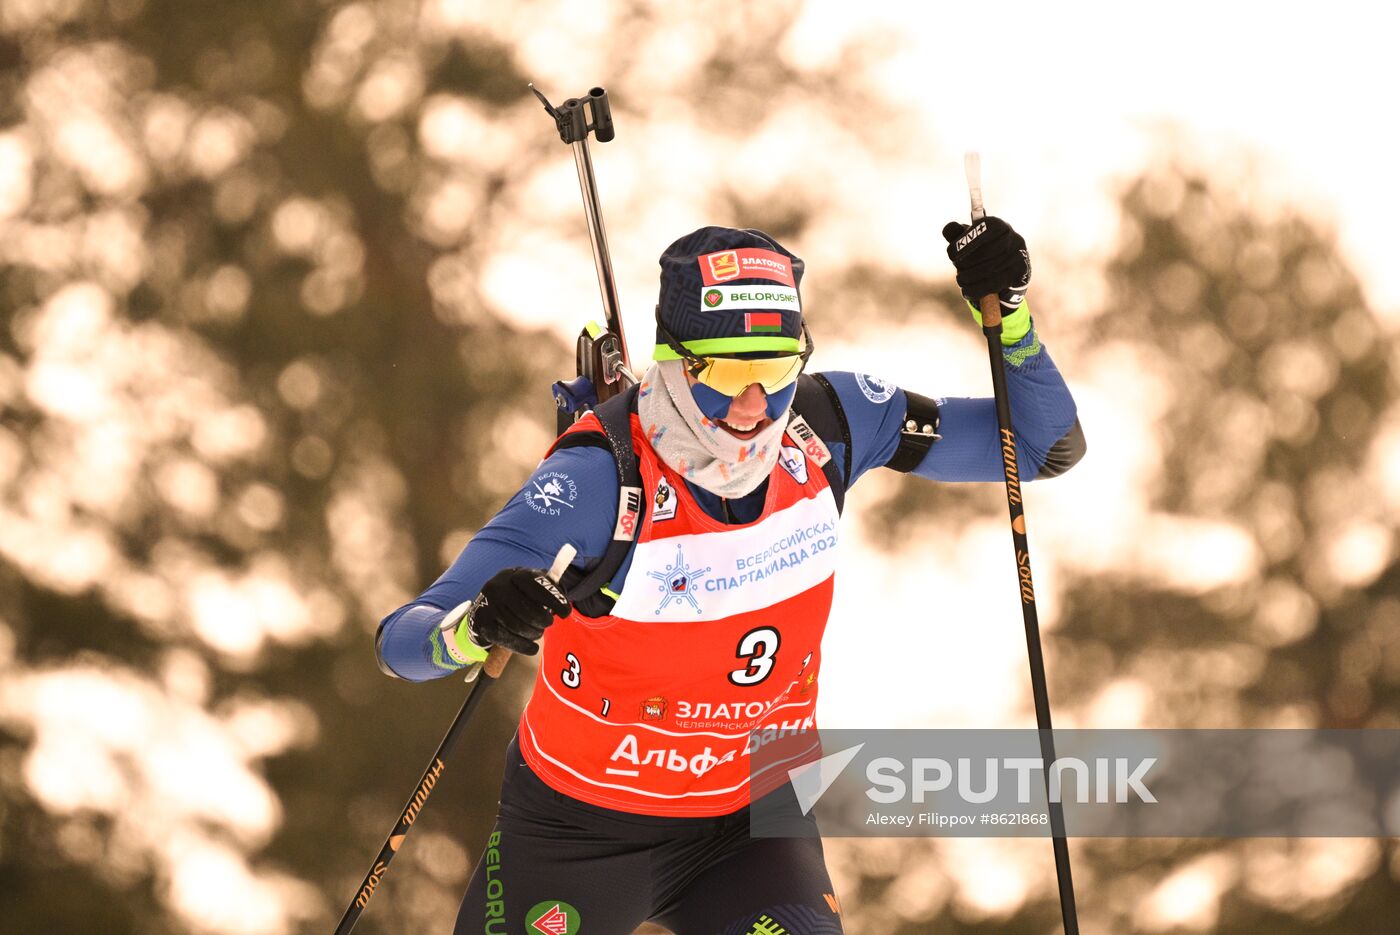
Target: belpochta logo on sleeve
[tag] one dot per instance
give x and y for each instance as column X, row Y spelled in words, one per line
column 551, row 493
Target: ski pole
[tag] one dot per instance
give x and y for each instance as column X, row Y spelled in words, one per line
column 490, row 671
column 990, row 306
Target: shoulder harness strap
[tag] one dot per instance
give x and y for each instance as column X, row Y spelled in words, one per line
column 615, row 415
column 816, row 402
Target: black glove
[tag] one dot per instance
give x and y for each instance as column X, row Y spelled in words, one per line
column 990, row 258
column 513, row 609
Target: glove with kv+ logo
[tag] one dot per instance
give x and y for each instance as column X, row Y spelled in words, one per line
column 991, row 258
column 512, row 610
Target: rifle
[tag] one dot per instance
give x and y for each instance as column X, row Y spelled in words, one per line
column 604, row 369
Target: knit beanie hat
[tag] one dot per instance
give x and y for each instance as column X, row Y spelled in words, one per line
column 726, row 291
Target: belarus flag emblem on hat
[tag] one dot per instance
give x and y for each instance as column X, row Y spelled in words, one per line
column 763, row 322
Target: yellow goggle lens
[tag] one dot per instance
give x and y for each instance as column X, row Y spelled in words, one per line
column 732, row 375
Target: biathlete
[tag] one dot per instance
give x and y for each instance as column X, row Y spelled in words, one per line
column 694, row 610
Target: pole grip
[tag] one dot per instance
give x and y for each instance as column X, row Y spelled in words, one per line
column 972, row 166
column 990, row 306
column 495, row 662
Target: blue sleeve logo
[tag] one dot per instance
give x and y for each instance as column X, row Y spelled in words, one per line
column 549, row 493
column 875, row 389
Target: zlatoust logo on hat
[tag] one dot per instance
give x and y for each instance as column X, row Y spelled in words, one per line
column 748, row 263
column 724, row 265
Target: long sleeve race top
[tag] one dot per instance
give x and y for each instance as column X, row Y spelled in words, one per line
column 572, row 495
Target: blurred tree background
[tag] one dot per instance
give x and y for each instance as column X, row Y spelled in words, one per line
column 259, row 385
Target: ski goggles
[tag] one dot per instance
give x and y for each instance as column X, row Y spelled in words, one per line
column 732, row 375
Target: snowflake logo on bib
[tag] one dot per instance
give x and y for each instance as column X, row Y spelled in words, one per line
column 678, row 582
